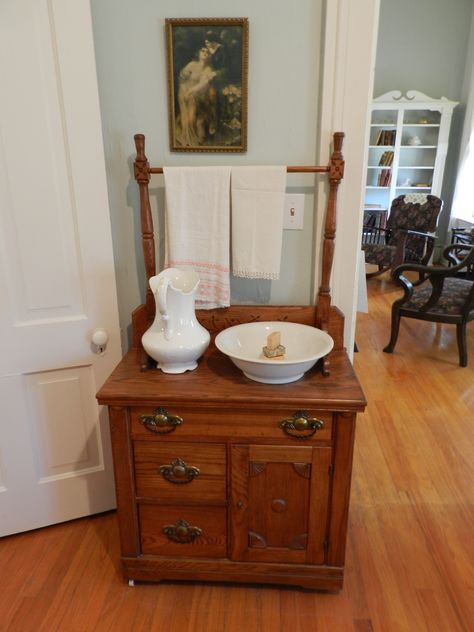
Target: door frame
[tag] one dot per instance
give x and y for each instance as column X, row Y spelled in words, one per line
column 350, row 42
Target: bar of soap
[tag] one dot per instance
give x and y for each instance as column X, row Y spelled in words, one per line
column 273, row 340
column 274, row 353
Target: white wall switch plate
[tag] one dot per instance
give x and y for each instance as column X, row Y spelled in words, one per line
column 294, row 211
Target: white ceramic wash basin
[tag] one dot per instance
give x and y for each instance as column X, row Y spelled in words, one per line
column 304, row 346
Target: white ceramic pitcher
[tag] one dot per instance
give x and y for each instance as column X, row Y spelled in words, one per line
column 176, row 339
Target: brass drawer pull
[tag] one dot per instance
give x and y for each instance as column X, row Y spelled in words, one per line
column 182, row 532
column 178, row 472
column 300, row 426
column 160, row 422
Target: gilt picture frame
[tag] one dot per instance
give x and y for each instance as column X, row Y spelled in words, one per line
column 207, row 63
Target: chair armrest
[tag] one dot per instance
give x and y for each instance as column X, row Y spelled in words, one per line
column 451, row 253
column 426, row 275
column 418, row 233
column 437, row 270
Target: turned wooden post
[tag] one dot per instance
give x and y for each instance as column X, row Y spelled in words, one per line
column 336, row 173
column 142, row 176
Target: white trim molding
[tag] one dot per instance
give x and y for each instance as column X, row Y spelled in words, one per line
column 350, row 39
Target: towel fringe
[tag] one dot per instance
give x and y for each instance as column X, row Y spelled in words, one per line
column 247, row 274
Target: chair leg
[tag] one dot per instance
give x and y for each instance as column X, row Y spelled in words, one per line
column 394, row 331
column 462, row 344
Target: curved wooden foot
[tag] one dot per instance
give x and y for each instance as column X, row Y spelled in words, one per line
column 394, row 332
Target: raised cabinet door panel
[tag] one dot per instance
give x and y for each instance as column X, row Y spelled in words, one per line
column 279, row 500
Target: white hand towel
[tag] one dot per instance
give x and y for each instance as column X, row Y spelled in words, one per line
column 197, row 228
column 258, row 198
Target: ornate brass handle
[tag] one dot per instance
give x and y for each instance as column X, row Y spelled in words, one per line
column 178, row 472
column 300, row 426
column 181, row 532
column 160, row 422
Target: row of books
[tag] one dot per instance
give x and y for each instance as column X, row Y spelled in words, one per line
column 386, row 137
column 386, row 159
column 384, row 178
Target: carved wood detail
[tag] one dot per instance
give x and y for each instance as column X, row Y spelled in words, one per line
column 303, row 469
column 236, row 314
column 279, row 505
column 142, row 175
column 299, row 542
column 217, row 320
column 257, row 541
column 256, row 467
column 336, row 173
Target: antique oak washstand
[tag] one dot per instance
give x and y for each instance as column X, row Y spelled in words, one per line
column 222, row 478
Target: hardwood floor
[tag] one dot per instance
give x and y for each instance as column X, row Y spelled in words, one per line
column 410, row 545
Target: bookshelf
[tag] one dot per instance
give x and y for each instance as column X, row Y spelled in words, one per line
column 408, row 143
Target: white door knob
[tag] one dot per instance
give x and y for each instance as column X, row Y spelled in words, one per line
column 99, row 339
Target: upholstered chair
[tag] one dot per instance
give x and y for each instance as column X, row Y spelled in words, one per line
column 444, row 294
column 409, row 235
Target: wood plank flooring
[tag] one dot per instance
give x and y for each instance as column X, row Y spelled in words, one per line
column 410, row 548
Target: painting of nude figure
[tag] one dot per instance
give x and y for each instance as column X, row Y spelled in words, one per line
column 207, row 84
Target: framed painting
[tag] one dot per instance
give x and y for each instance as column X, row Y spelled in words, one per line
column 207, row 83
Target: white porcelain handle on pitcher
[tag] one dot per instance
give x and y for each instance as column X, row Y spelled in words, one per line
column 161, row 292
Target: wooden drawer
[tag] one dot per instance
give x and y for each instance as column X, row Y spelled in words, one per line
column 210, row 541
column 229, row 424
column 181, row 472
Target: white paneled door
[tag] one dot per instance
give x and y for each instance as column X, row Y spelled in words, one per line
column 56, row 269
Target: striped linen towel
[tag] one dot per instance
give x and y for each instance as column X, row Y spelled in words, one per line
column 197, row 229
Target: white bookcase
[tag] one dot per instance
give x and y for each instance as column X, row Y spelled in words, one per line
column 409, row 136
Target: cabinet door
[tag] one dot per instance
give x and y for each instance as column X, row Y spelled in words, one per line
column 279, row 497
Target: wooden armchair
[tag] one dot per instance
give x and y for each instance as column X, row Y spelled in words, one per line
column 443, row 295
column 409, row 235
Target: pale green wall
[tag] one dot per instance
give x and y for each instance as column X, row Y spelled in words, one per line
column 422, row 45
column 284, row 60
